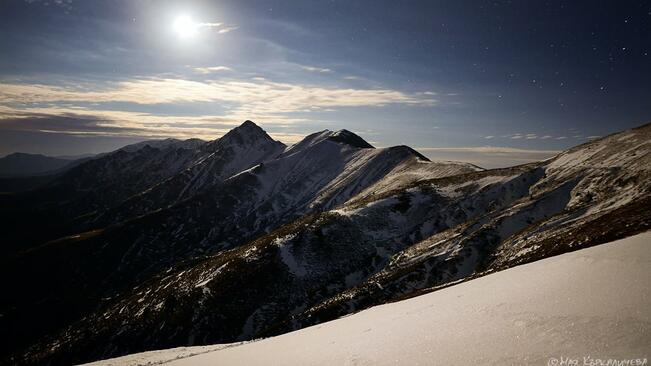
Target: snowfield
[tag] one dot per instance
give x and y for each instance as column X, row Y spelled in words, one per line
column 594, row 303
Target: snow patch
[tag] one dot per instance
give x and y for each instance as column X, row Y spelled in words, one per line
column 288, row 257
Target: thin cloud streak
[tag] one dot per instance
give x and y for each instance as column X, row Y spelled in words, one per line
column 227, row 29
column 488, row 150
column 210, row 25
column 211, row 69
column 488, row 156
column 273, row 103
column 65, row 4
column 124, row 124
column 263, row 94
column 129, row 124
column 316, row 69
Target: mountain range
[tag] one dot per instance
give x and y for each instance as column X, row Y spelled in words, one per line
column 177, row 243
column 22, row 164
column 517, row 316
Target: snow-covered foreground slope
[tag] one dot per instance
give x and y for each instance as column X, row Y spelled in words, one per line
column 594, row 302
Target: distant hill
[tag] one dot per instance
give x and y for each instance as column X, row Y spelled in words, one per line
column 22, row 164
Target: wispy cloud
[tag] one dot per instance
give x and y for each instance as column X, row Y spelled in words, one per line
column 269, row 102
column 315, row 69
column 487, row 156
column 209, row 25
column 211, row 69
column 65, row 4
column 531, row 136
column 489, row 150
column 78, row 122
column 227, row 29
column 260, row 95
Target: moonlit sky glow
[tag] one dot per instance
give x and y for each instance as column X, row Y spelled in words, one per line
column 493, row 82
column 184, row 26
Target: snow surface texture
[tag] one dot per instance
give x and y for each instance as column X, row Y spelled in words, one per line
column 594, row 302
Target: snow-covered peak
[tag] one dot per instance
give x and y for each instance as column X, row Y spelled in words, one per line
column 249, row 129
column 343, row 137
column 244, row 134
column 349, row 138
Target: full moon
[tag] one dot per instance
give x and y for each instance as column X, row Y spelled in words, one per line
column 185, row 27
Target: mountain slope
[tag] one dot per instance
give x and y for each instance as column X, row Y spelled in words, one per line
column 524, row 315
column 88, row 188
column 594, row 193
column 240, row 149
column 164, row 144
column 69, row 205
column 376, row 246
column 218, row 215
column 129, row 182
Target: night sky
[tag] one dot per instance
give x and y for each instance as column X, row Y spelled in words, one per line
column 493, row 82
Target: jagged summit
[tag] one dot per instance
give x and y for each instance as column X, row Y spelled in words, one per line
column 246, row 133
column 248, row 124
column 249, row 128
